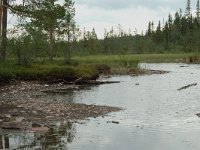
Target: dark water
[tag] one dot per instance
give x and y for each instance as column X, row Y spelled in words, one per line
column 157, row 115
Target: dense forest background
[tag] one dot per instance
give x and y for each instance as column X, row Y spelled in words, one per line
column 47, row 29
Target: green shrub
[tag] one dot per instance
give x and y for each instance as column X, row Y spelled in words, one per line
column 103, row 68
column 86, row 71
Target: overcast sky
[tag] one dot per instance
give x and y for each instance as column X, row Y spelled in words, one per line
column 132, row 14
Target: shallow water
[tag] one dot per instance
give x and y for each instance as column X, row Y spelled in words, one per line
column 156, row 116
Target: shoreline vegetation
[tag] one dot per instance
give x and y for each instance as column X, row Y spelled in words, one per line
column 20, row 110
column 87, row 67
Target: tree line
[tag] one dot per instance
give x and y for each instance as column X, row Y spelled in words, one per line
column 47, row 29
column 179, row 33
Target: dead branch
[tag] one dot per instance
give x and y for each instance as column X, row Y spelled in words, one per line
column 187, row 86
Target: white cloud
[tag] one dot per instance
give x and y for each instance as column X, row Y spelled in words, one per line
column 129, row 18
column 121, row 4
column 130, row 14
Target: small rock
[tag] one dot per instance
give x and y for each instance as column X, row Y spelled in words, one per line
column 115, row 122
column 46, row 85
column 35, row 112
column 36, row 125
column 39, row 129
column 7, row 115
column 19, row 119
column 141, row 127
column 198, row 114
column 13, row 125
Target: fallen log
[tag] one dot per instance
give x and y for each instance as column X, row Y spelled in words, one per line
column 94, row 82
column 198, row 114
column 81, row 81
column 13, row 125
column 77, row 81
column 187, row 86
column 150, row 72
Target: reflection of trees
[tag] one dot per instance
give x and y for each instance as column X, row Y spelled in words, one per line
column 17, row 141
column 61, row 95
column 56, row 137
column 4, row 142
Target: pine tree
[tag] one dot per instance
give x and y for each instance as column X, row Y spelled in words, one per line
column 170, row 21
column 188, row 9
column 197, row 21
column 152, row 26
column 93, row 42
column 84, row 38
column 68, row 27
column 166, row 36
column 158, row 34
column 177, row 20
column 149, row 31
column 180, row 13
column 198, row 10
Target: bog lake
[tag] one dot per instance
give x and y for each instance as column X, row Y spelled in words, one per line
column 156, row 115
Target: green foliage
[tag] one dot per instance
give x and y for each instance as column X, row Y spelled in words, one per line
column 23, row 50
column 102, row 68
column 52, row 18
column 110, row 60
column 86, row 71
column 36, row 72
column 56, row 36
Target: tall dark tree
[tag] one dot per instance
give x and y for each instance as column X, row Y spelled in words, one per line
column 166, row 36
column 158, row 34
column 149, row 30
column 188, row 9
column 50, row 23
column 3, row 29
column 197, row 22
column 68, row 27
column 198, row 11
column 93, row 42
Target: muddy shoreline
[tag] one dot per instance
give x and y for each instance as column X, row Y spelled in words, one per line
column 23, row 105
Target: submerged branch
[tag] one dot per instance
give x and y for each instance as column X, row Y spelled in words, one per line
column 187, row 86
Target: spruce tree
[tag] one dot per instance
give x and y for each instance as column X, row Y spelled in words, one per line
column 166, row 36
column 158, row 34
column 197, row 21
column 197, row 10
column 188, row 9
column 149, row 31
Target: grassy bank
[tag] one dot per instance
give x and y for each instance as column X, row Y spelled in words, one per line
column 114, row 60
column 88, row 67
column 47, row 72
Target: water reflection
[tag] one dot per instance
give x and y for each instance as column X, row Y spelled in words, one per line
column 58, row 137
column 4, row 142
column 157, row 115
column 60, row 94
